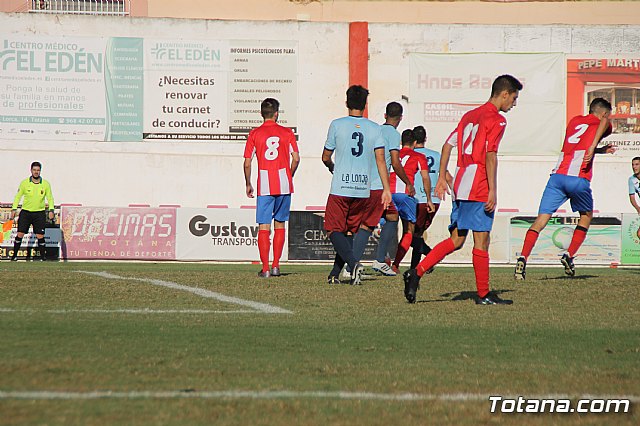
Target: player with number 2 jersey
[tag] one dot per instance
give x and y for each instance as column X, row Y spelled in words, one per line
column 571, row 180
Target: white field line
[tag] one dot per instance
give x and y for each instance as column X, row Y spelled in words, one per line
column 144, row 311
column 287, row 394
column 257, row 306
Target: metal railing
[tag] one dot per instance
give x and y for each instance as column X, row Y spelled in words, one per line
column 81, row 7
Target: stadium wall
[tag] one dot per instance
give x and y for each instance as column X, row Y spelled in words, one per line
column 205, row 173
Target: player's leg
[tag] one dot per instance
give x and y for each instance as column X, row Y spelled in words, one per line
column 417, row 241
column 39, row 223
column 407, row 208
column 553, row 197
column 371, row 217
column 264, row 216
column 24, row 222
column 281, row 214
column 439, row 252
column 342, row 215
column 581, row 201
column 389, row 231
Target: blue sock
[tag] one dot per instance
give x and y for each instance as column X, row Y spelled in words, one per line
column 389, row 230
column 360, row 243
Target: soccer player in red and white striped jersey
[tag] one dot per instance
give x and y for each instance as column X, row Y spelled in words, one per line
column 571, row 180
column 477, row 138
column 276, row 150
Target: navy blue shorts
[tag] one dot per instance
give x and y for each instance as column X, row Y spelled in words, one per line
column 561, row 188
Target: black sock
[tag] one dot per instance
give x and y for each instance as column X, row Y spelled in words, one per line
column 42, row 247
column 16, row 246
column 425, row 248
column 416, row 254
column 338, row 264
column 344, row 247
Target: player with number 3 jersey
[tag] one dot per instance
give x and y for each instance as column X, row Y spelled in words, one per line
column 274, row 146
column 571, row 180
column 357, row 144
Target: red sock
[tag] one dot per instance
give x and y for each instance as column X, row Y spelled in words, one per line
column 278, row 246
column 403, row 247
column 579, row 234
column 263, row 246
column 529, row 241
column 481, row 268
column 438, row 253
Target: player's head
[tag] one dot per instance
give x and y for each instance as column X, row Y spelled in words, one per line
column 420, row 133
column 408, row 138
column 393, row 113
column 36, row 167
column 269, row 109
column 357, row 97
column 600, row 107
column 504, row 92
column 635, row 165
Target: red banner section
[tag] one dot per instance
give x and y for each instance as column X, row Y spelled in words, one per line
column 118, row 233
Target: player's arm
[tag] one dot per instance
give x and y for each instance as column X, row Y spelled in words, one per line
column 16, row 200
column 426, row 182
column 602, row 128
column 49, row 196
column 397, row 167
column 381, row 163
column 326, row 159
column 247, row 177
column 634, row 203
column 295, row 162
column 492, row 180
column 442, row 187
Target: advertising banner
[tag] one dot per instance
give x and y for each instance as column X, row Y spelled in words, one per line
column 218, row 234
column 130, row 88
column 630, row 254
column 498, row 249
column 118, row 233
column 28, row 248
column 308, row 239
column 601, row 247
column 618, row 81
column 443, row 87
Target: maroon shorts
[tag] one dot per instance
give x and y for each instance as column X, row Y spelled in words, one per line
column 375, row 209
column 344, row 214
column 424, row 218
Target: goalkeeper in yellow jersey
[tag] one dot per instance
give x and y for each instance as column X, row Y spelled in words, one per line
column 34, row 189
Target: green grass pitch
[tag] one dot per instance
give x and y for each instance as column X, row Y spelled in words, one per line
column 343, row 356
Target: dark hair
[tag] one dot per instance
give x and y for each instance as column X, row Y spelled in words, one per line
column 599, row 103
column 635, row 158
column 357, row 97
column 408, row 137
column 36, row 163
column 394, row 110
column 420, row 133
column 505, row 82
column 269, row 107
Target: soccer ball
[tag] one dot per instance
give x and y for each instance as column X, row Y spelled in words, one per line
column 562, row 237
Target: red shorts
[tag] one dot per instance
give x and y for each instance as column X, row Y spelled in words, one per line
column 424, row 218
column 375, row 209
column 344, row 214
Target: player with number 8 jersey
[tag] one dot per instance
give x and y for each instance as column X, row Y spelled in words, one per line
column 275, row 147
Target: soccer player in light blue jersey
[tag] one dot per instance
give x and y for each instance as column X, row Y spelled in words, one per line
column 424, row 217
column 375, row 210
column 357, row 144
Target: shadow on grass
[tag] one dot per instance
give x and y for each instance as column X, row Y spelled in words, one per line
column 460, row 295
column 564, row 277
